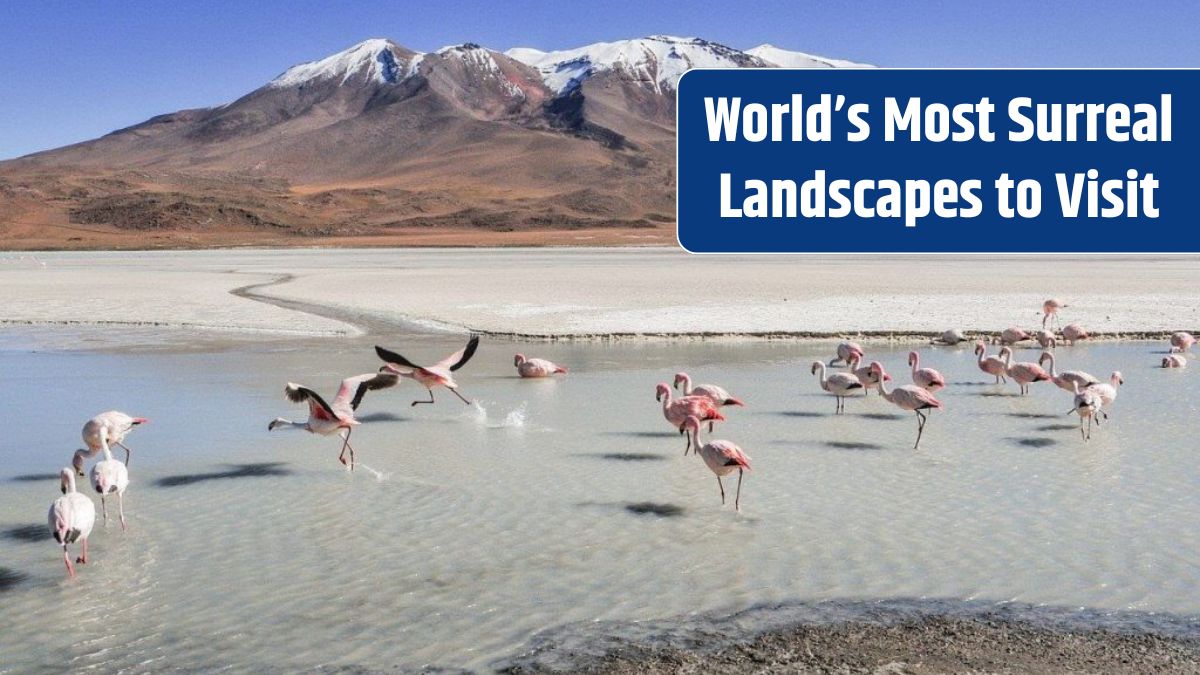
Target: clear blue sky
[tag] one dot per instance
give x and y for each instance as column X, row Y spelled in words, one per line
column 71, row 71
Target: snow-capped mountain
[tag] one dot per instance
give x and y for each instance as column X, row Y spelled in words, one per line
column 460, row 136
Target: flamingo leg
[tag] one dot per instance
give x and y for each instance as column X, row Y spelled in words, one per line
column 455, row 392
column 710, row 426
column 351, row 454
column 737, row 500
column 687, row 447
column 121, row 509
column 82, row 560
column 67, row 560
column 920, row 428
column 127, row 452
column 345, row 444
column 104, row 509
column 722, row 487
column 429, row 401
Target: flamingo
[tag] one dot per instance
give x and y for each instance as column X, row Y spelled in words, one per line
column 1045, row 339
column 1073, row 332
column 1108, row 390
column 952, row 336
column 1087, row 405
column 535, row 367
column 718, row 395
column 71, row 518
column 992, row 365
column 116, row 425
column 1066, row 380
column 1012, row 335
column 437, row 375
column 847, row 352
column 110, row 476
column 676, row 411
column 926, row 378
column 1050, row 309
column 840, row 385
column 722, row 457
column 1174, row 361
column 325, row 419
column 1024, row 372
column 864, row 375
column 1181, row 342
column 907, row 397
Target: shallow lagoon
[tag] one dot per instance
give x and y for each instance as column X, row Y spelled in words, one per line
column 469, row 530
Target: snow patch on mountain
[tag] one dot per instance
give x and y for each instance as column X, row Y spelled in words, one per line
column 376, row 57
column 784, row 58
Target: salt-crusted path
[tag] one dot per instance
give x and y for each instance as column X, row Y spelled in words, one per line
column 594, row 292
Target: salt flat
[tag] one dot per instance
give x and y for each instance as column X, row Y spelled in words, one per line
column 590, row 292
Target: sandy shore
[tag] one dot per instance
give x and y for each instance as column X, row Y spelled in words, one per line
column 596, row 292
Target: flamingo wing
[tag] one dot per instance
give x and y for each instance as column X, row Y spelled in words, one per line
column 353, row 389
column 392, row 357
column 317, row 407
column 459, row 358
column 732, row 454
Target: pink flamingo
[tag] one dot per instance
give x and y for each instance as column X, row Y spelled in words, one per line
column 1066, row 380
column 864, row 375
column 992, row 365
column 71, row 518
column 1174, row 361
column 1073, row 333
column 1050, row 309
column 840, row 385
column 1107, row 391
column 325, row 419
column 716, row 394
column 1088, row 406
column 848, row 351
column 676, row 411
column 109, row 476
column 722, row 458
column 1024, row 372
column 926, row 378
column 115, row 426
column 1013, row 335
column 437, row 375
column 1181, row 342
column 908, row 397
column 536, row 367
column 1045, row 339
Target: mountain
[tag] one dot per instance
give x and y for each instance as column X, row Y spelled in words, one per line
column 380, row 143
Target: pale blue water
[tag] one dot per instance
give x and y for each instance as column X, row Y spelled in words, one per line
column 468, row 531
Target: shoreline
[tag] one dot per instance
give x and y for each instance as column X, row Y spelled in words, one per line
column 886, row 636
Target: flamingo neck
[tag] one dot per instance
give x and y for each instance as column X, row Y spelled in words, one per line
column 686, row 380
column 882, row 386
column 821, row 375
column 1050, row 358
column 915, row 361
column 666, row 401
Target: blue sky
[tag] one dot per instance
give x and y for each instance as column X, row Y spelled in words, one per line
column 71, row 71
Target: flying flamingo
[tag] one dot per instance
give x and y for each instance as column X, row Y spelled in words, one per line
column 437, row 375
column 992, row 365
column 1073, row 333
column 116, row 425
column 1182, row 341
column 1174, row 361
column 71, row 518
column 722, row 457
column 1012, row 335
column 1045, row 339
column 718, row 395
column 1066, row 380
column 1108, row 390
column 1024, row 372
column 325, row 419
column 110, row 476
column 864, row 375
column 926, row 378
column 1087, row 405
column 535, row 367
column 840, row 385
column 1050, row 309
column 908, row 397
column 949, row 337
column 847, row 352
column 676, row 411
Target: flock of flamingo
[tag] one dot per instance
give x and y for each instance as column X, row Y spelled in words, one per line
column 73, row 515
